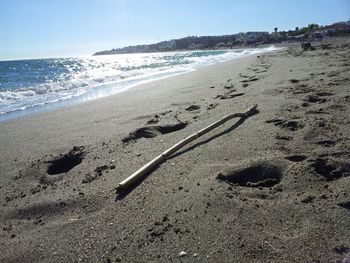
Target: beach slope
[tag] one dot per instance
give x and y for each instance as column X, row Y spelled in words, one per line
column 273, row 187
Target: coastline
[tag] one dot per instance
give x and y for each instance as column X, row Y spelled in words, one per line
column 112, row 83
column 302, row 129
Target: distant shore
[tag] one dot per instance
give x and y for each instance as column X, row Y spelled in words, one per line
column 312, row 32
column 273, row 187
column 138, row 50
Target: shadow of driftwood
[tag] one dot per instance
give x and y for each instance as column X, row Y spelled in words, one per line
column 235, row 126
column 121, row 194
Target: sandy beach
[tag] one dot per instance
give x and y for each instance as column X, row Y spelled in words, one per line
column 273, row 187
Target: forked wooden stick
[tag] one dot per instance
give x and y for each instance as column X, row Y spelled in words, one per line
column 162, row 157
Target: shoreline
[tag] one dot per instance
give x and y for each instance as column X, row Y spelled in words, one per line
column 60, row 168
column 108, row 89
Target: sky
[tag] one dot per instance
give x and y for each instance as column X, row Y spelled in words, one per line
column 56, row 28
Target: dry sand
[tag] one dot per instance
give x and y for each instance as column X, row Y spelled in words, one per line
column 270, row 188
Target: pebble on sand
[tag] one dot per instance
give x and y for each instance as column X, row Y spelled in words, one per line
column 182, row 254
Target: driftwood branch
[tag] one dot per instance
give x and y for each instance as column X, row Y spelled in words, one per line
column 132, row 179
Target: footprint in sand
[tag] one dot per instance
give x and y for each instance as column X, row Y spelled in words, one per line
column 327, row 143
column 300, row 89
column 314, row 99
column 65, row 163
column 99, row 170
column 228, row 96
column 294, row 81
column 296, row 158
column 291, row 125
column 45, row 172
column 258, row 174
column 330, row 169
column 250, row 79
column 193, row 108
column 229, row 86
column 258, row 70
column 284, row 138
column 153, row 131
column 324, row 94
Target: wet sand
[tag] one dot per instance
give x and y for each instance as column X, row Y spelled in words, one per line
column 273, row 187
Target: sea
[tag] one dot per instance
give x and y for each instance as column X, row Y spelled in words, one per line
column 37, row 85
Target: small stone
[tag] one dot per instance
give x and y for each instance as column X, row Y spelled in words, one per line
column 7, row 228
column 308, row 199
column 195, row 255
column 157, row 233
column 157, row 223
column 182, row 254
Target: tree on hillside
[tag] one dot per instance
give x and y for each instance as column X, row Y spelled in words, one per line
column 297, row 28
column 275, row 29
column 311, row 29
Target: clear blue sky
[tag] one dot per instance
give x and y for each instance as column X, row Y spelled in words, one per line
column 45, row 28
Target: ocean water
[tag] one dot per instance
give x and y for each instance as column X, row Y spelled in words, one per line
column 28, row 86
